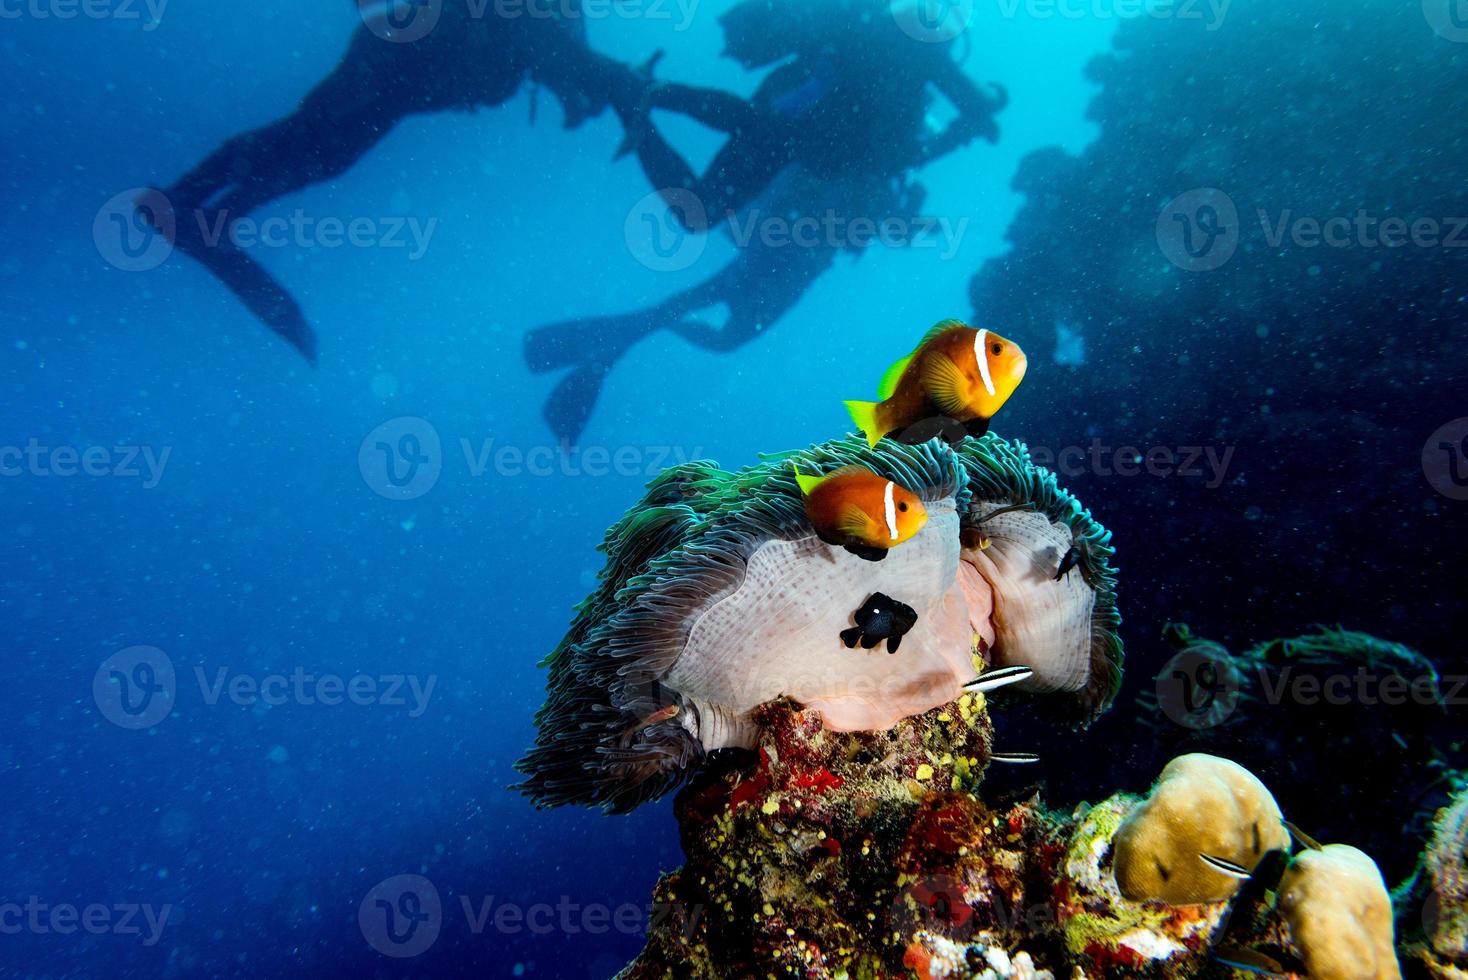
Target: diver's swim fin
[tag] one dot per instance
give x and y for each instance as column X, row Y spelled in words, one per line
column 569, row 406
column 573, row 342
column 259, row 291
column 557, row 345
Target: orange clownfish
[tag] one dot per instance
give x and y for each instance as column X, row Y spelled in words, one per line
column 860, row 511
column 956, row 371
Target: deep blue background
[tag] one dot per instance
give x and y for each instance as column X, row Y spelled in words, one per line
column 263, row 549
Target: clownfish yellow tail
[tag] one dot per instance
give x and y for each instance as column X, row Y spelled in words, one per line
column 807, row 483
column 864, row 414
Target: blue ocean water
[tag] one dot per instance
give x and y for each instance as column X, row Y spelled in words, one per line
column 235, row 528
column 275, row 627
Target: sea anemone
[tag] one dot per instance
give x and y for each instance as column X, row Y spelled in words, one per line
column 1065, row 628
column 718, row 597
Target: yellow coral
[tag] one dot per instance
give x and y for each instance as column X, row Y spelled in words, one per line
column 1340, row 915
column 1200, row 805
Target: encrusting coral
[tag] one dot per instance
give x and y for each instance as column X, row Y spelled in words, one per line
column 856, row 854
column 1439, row 895
column 873, row 855
column 1201, row 805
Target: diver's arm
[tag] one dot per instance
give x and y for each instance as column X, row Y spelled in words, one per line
column 976, row 110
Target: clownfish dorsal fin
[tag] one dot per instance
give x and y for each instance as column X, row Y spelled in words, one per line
column 938, row 329
column 850, row 469
column 809, row 483
column 888, row 387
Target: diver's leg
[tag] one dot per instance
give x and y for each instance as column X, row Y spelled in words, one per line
column 716, row 109
column 334, row 126
column 738, row 173
column 743, row 166
column 591, row 347
column 665, row 167
column 583, row 80
column 602, row 339
column 342, row 118
column 759, row 287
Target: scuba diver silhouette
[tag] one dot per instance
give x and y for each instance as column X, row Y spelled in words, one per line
column 464, row 62
column 835, row 128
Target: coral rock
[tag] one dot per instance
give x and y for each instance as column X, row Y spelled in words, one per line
column 1443, row 882
column 871, row 855
column 857, row 855
column 1340, row 915
column 1201, row 805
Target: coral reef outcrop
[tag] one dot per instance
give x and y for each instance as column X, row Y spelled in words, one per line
column 1201, row 805
column 1340, row 914
column 1435, row 903
column 878, row 855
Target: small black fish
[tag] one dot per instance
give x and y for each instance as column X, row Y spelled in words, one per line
column 1302, row 838
column 880, row 618
column 1249, row 961
column 1243, row 909
column 1070, row 560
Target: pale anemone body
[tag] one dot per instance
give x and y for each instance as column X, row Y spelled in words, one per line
column 786, row 616
column 718, row 597
column 1038, row 620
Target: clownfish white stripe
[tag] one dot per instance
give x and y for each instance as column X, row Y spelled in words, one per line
column 982, row 357
column 891, row 507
